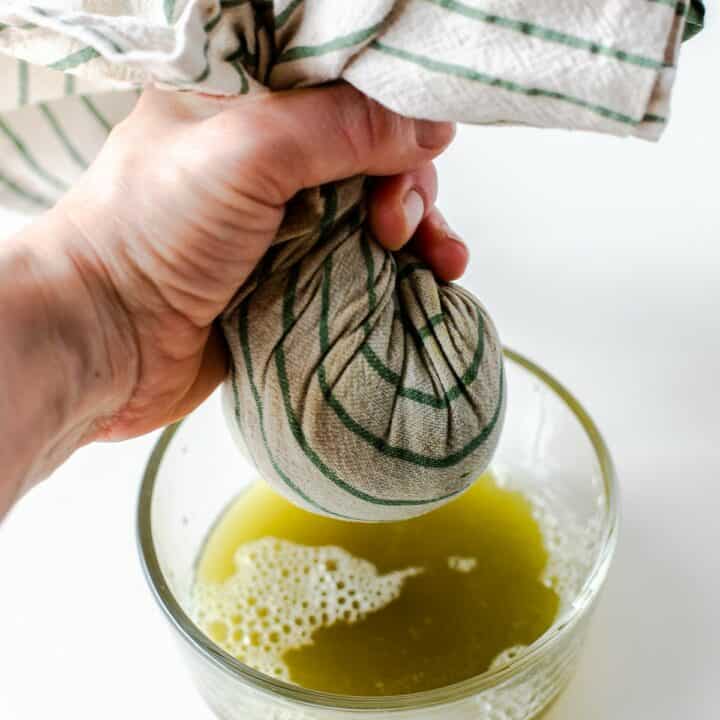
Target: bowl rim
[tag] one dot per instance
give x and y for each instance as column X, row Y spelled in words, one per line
column 487, row 680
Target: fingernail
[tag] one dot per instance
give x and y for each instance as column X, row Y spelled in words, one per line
column 431, row 135
column 414, row 209
column 462, row 247
column 450, row 235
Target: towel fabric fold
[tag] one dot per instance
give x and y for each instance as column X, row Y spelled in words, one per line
column 602, row 65
column 360, row 386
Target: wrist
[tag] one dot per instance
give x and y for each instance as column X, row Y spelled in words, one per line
column 70, row 360
column 93, row 324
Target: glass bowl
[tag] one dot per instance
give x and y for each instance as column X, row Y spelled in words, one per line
column 550, row 449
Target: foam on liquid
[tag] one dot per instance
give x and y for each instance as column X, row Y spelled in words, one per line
column 281, row 593
column 285, row 604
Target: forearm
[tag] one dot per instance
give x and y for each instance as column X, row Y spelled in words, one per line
column 60, row 377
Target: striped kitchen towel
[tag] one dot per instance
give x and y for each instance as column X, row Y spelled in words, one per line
column 602, row 65
column 360, row 386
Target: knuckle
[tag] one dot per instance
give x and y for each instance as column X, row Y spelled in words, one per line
column 352, row 123
column 372, row 123
column 266, row 153
column 367, row 126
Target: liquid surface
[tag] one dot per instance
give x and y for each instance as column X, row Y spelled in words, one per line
column 375, row 609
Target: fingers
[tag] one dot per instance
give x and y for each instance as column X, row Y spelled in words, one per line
column 437, row 245
column 308, row 137
column 402, row 209
column 399, row 203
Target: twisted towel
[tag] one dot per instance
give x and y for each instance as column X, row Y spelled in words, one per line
column 360, row 386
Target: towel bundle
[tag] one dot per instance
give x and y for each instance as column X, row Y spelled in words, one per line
column 361, row 387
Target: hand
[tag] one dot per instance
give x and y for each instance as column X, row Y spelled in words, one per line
column 186, row 197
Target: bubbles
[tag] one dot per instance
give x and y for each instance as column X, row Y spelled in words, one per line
column 271, row 603
column 281, row 593
column 462, row 564
column 571, row 546
column 507, row 656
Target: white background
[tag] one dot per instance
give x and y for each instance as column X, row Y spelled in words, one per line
column 600, row 259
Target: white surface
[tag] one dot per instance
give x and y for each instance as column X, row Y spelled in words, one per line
column 600, row 259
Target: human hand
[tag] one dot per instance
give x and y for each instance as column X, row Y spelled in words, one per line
column 186, row 197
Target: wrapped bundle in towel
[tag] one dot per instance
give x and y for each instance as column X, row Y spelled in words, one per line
column 361, row 387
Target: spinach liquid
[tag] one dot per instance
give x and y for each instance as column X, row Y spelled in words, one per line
column 380, row 609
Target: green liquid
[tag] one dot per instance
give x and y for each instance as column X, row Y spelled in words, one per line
column 480, row 591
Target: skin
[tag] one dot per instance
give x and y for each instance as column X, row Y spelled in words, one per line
column 109, row 300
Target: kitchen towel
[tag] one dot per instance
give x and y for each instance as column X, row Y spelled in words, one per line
column 360, row 386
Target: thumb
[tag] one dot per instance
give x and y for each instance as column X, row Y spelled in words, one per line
column 303, row 138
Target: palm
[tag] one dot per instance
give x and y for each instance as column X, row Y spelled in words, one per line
column 186, row 197
column 179, row 270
